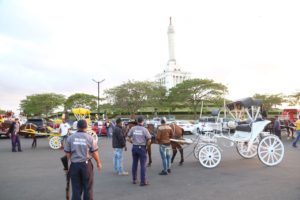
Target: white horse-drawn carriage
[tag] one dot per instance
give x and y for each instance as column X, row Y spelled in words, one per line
column 249, row 138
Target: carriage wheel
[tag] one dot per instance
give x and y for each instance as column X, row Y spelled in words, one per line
column 242, row 148
column 55, row 142
column 209, row 156
column 270, row 150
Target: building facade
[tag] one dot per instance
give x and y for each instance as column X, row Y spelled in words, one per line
column 172, row 75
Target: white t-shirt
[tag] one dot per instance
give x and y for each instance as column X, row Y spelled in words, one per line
column 64, row 128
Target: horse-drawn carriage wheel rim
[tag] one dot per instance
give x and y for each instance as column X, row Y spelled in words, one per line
column 240, row 147
column 209, row 156
column 271, row 153
column 54, row 142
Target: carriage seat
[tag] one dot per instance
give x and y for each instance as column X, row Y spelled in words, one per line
column 245, row 127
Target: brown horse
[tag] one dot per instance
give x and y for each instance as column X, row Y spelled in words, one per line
column 177, row 134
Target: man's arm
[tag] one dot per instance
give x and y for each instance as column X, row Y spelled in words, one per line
column 96, row 156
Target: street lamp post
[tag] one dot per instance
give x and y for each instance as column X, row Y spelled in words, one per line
column 98, row 82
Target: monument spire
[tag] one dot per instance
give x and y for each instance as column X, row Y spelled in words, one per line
column 171, row 39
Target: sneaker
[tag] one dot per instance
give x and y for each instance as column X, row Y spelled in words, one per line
column 169, row 170
column 144, row 184
column 163, row 173
column 123, row 174
column 295, row 146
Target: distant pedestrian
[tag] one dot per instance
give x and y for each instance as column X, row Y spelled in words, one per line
column 118, row 143
column 164, row 134
column 64, row 129
column 14, row 130
column 80, row 148
column 277, row 127
column 297, row 123
column 140, row 137
column 107, row 126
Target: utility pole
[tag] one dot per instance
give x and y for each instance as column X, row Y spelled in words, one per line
column 98, row 104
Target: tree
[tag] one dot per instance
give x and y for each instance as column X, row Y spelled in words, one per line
column 294, row 99
column 134, row 95
column 81, row 100
column 271, row 100
column 190, row 93
column 38, row 104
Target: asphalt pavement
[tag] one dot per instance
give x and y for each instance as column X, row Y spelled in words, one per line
column 37, row 174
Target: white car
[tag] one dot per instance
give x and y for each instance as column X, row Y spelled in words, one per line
column 186, row 125
column 206, row 124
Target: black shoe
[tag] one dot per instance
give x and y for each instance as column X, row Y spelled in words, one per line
column 169, row 170
column 163, row 173
column 144, row 184
column 295, row 146
column 14, row 151
column 134, row 182
column 19, row 150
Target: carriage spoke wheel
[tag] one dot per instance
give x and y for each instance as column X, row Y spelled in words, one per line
column 209, row 156
column 54, row 142
column 242, row 148
column 270, row 150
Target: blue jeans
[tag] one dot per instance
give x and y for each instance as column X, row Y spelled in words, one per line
column 118, row 160
column 139, row 154
column 297, row 138
column 165, row 154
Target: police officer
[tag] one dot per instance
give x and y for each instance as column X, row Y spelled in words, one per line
column 80, row 149
column 14, row 130
column 140, row 137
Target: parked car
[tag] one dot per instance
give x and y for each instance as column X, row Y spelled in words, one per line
column 125, row 120
column 186, row 125
column 205, row 124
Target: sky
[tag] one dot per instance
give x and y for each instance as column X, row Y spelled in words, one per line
column 60, row 45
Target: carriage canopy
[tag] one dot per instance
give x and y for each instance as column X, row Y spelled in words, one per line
column 244, row 103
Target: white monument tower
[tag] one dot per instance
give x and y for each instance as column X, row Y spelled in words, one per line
column 172, row 75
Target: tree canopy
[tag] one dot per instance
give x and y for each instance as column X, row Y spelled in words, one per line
column 39, row 104
column 270, row 100
column 81, row 100
column 134, row 95
column 190, row 93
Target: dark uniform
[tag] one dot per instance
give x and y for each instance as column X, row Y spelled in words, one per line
column 14, row 130
column 139, row 136
column 80, row 145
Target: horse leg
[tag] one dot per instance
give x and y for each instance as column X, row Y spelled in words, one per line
column 174, row 154
column 33, row 145
column 181, row 154
column 149, row 156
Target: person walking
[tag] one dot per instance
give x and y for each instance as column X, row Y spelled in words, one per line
column 164, row 134
column 140, row 137
column 297, row 123
column 277, row 127
column 64, row 129
column 107, row 126
column 14, row 130
column 118, row 143
column 80, row 148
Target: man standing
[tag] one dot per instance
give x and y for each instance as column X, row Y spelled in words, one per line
column 14, row 130
column 140, row 137
column 164, row 134
column 297, row 123
column 277, row 127
column 118, row 143
column 64, row 129
column 80, row 148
